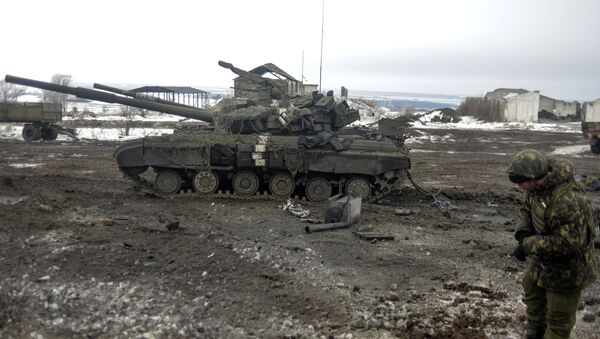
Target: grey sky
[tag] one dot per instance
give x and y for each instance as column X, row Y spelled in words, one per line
column 431, row 46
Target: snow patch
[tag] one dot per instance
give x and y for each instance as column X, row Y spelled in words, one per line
column 571, row 150
column 23, row 165
column 119, row 133
column 12, row 200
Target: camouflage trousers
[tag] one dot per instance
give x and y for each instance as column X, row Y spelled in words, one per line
column 549, row 314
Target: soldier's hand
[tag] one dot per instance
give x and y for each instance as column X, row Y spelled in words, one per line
column 519, row 253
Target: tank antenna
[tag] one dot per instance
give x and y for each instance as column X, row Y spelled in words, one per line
column 321, row 62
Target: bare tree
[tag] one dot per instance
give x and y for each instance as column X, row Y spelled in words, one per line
column 10, row 92
column 55, row 97
column 128, row 113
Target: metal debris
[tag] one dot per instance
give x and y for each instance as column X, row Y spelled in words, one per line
column 402, row 211
column 342, row 208
column 295, row 209
column 373, row 235
column 326, row 227
column 172, row 226
column 444, row 205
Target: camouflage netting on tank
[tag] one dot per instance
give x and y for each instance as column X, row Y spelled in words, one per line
column 240, row 118
column 293, row 156
column 303, row 101
column 176, row 149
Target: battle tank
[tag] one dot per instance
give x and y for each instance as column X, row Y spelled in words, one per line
column 271, row 140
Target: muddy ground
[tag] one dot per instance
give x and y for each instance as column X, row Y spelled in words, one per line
column 83, row 255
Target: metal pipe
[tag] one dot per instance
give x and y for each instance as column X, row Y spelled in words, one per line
column 326, row 227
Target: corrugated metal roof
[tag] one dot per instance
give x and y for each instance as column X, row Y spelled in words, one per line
column 167, row 89
column 261, row 70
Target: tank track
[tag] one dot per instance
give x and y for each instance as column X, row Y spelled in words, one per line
column 148, row 187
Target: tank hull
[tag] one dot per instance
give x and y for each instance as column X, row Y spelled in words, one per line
column 374, row 165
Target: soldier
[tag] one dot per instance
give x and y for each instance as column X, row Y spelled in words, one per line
column 556, row 229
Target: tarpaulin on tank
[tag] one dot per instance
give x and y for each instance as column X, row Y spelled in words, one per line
column 321, row 139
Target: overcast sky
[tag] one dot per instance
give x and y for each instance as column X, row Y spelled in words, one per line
column 464, row 47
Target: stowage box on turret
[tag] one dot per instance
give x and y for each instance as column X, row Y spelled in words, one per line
column 273, row 139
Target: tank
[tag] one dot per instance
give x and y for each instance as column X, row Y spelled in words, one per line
column 274, row 142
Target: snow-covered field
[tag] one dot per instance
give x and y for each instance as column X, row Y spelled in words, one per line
column 472, row 123
column 13, row 131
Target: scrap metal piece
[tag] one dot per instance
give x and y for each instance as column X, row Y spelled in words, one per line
column 342, row 208
column 373, row 235
column 296, row 209
column 326, row 227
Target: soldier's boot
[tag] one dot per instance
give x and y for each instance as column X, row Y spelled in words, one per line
column 535, row 333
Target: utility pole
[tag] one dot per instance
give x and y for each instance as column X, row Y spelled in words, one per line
column 302, row 77
column 321, row 62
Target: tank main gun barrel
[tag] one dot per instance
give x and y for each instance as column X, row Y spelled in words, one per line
column 140, row 96
column 86, row 93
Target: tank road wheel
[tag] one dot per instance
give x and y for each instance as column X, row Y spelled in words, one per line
column 358, row 187
column 245, row 182
column 31, row 133
column 282, row 184
column 168, row 181
column 205, row 182
column 318, row 189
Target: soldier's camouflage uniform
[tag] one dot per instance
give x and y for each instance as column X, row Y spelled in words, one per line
column 558, row 217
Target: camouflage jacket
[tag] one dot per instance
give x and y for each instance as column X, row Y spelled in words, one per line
column 559, row 217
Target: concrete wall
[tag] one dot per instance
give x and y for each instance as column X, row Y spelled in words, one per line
column 309, row 88
column 565, row 109
column 546, row 104
column 523, row 107
column 591, row 111
column 559, row 108
column 501, row 93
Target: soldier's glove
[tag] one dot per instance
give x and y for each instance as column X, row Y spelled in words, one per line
column 522, row 234
column 519, row 253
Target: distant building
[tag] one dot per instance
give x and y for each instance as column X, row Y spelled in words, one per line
column 266, row 81
column 501, row 93
column 180, row 94
column 559, row 109
column 517, row 105
column 309, row 88
column 591, row 111
column 522, row 107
